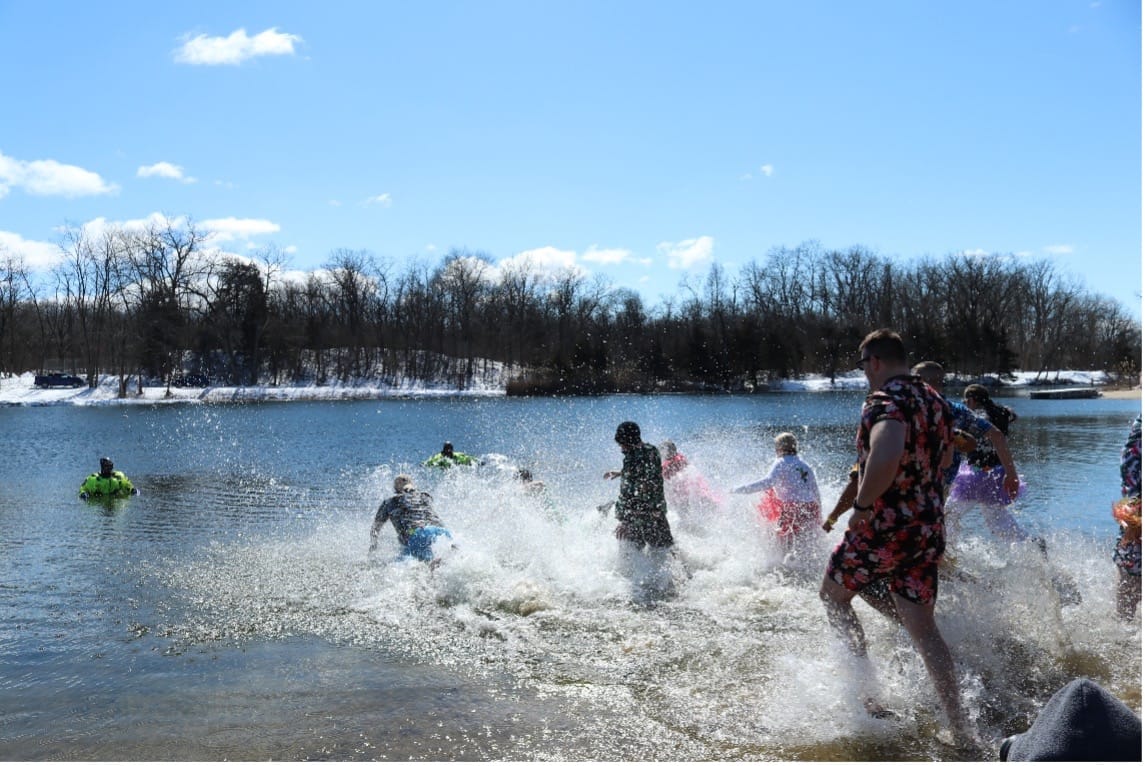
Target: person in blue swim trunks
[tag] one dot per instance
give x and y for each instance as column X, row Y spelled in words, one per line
column 411, row 512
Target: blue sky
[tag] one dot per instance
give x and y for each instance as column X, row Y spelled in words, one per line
column 641, row 141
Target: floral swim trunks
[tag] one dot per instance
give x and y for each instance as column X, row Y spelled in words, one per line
column 907, row 557
column 1127, row 556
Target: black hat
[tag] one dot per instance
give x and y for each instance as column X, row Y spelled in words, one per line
column 628, row 433
column 1081, row 722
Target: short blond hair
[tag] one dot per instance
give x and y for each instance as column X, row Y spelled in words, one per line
column 403, row 482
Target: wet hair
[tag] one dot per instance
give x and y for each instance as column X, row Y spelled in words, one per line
column 1001, row 416
column 105, row 463
column 886, row 344
column 628, row 434
column 447, row 448
column 668, row 448
column 403, row 482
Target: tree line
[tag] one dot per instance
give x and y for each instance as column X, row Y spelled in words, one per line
column 156, row 302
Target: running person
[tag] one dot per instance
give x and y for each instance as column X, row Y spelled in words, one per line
column 896, row 532
column 791, row 501
column 1002, row 483
column 1127, row 550
column 640, row 507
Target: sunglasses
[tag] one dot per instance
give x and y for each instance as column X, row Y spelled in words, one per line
column 861, row 364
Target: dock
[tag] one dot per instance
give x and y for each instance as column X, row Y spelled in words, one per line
column 1066, row 393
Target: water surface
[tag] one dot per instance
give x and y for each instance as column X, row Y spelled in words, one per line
column 231, row 612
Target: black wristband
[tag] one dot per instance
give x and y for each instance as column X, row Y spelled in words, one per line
column 855, row 506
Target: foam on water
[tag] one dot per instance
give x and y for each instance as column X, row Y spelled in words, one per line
column 740, row 663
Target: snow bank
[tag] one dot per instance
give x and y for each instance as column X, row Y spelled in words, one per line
column 21, row 389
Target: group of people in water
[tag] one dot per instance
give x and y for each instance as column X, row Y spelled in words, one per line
column 915, row 450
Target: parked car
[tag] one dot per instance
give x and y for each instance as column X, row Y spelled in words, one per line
column 59, row 380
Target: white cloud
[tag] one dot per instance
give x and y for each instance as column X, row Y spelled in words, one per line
column 383, row 200
column 610, row 255
column 37, row 256
column 976, row 253
column 767, row 170
column 546, row 258
column 227, row 229
column 98, row 227
column 164, row 170
column 545, row 262
column 235, row 48
column 687, row 253
column 1059, row 249
column 48, row 178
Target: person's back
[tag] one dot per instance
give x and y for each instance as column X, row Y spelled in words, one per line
column 409, row 511
column 917, row 495
column 107, row 483
column 794, row 480
column 641, row 485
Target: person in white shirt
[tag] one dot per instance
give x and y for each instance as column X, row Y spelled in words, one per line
column 791, row 495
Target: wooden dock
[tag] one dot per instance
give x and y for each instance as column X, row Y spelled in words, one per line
column 1066, row 393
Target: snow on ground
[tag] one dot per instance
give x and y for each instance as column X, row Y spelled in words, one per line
column 21, row 389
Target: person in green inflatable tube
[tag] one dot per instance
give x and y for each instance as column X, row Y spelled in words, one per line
column 447, row 458
column 108, row 483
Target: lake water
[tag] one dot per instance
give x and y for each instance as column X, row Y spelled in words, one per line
column 230, row 611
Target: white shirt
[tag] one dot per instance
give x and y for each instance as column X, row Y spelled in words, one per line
column 792, row 479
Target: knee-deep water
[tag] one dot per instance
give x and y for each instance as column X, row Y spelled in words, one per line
column 230, row 612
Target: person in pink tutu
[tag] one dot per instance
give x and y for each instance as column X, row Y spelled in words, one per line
column 791, row 502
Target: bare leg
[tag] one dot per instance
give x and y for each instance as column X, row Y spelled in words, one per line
column 878, row 597
column 1001, row 522
column 841, row 615
column 918, row 619
column 1128, row 594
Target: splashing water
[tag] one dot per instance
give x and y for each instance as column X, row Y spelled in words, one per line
column 739, row 664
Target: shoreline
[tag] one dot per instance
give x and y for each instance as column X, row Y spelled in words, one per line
column 1121, row 393
column 20, row 391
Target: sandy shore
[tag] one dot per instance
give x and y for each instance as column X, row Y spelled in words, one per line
column 1121, row 393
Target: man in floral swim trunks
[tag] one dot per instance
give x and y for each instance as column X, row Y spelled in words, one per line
column 904, row 441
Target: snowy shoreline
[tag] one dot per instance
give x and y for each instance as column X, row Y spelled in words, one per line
column 21, row 390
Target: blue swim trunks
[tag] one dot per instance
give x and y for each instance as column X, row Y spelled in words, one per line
column 420, row 544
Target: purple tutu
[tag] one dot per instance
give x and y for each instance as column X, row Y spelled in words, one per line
column 972, row 485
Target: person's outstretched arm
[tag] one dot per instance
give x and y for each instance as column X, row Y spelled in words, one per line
column 844, row 503
column 1002, row 447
